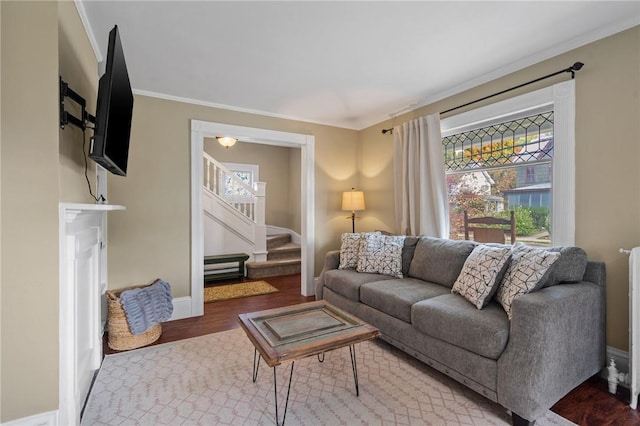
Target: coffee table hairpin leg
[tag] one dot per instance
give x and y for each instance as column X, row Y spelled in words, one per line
column 354, row 367
column 275, row 394
column 256, row 366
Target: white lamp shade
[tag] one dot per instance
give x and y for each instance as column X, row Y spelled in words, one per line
column 353, row 200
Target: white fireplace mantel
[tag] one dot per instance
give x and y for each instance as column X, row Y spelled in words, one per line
column 83, row 280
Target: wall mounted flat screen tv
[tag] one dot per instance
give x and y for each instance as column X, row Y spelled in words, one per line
column 110, row 142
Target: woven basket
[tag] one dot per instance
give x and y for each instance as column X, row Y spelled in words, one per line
column 120, row 336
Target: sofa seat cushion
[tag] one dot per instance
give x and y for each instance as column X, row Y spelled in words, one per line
column 394, row 297
column 454, row 320
column 347, row 282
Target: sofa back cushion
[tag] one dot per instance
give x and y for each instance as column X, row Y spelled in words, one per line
column 439, row 260
column 569, row 268
column 407, row 253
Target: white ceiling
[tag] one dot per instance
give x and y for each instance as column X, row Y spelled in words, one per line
column 346, row 64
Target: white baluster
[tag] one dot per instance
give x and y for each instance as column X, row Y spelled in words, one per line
column 207, row 176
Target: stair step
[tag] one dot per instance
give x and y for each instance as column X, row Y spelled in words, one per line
column 273, row 268
column 277, row 240
column 286, row 251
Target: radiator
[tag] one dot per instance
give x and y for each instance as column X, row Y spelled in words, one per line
column 634, row 323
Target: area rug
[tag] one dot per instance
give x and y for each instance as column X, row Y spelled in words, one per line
column 207, row 381
column 235, row 291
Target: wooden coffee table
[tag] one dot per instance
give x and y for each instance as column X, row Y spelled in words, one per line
column 299, row 331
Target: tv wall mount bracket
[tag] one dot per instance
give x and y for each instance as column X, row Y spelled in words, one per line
column 68, row 118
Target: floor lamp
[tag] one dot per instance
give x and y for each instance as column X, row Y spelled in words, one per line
column 353, row 200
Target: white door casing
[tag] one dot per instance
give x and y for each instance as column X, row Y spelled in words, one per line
column 205, row 129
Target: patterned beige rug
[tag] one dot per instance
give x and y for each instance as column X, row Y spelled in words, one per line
column 235, row 291
column 207, row 381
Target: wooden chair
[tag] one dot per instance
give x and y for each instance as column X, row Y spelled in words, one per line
column 490, row 235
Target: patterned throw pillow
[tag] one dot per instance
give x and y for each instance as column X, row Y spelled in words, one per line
column 350, row 249
column 481, row 274
column 525, row 273
column 381, row 254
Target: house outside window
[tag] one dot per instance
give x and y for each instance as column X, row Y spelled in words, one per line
column 517, row 154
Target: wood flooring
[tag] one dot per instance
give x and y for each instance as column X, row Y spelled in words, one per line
column 589, row 404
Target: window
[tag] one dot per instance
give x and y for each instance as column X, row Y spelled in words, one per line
column 531, row 175
column 516, row 154
column 494, row 169
column 248, row 174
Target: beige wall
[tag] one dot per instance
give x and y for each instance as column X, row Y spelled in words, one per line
column 151, row 239
column 30, row 194
column 275, row 170
column 79, row 68
column 40, row 166
column 607, row 158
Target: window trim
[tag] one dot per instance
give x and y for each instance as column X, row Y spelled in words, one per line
column 561, row 98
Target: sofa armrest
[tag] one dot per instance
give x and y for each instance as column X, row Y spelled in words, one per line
column 596, row 273
column 556, row 341
column 331, row 261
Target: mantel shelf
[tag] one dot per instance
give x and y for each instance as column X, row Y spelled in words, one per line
column 92, row 207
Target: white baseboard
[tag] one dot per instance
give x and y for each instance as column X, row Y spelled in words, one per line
column 621, row 359
column 181, row 308
column 43, row 419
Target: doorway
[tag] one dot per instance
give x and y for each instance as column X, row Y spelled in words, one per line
column 204, row 129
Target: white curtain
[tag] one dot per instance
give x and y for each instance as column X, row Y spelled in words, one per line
column 422, row 206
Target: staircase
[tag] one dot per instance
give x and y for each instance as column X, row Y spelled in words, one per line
column 283, row 258
column 233, row 213
column 234, row 222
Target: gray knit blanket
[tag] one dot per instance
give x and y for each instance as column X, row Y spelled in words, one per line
column 147, row 306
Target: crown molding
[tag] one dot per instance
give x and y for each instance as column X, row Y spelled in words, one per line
column 233, row 108
column 87, row 27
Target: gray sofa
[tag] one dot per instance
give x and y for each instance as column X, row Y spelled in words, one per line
column 554, row 340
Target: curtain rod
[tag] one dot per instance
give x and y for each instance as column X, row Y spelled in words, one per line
column 572, row 69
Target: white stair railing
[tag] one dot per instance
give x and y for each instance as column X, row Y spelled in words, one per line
column 245, row 201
